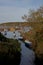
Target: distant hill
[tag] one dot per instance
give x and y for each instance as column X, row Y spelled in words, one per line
column 33, row 24
column 15, row 24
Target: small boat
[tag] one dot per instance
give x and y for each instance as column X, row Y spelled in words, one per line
column 28, row 44
column 14, row 32
column 5, row 32
column 14, row 35
column 20, row 38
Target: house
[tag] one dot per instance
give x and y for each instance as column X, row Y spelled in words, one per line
column 12, row 29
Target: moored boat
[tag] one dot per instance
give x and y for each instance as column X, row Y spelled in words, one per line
column 14, row 35
column 20, row 38
column 28, row 44
column 5, row 32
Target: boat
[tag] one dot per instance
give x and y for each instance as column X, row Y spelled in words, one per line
column 20, row 38
column 5, row 32
column 28, row 44
column 14, row 35
column 14, row 32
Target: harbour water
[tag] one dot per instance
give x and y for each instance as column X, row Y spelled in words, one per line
column 27, row 55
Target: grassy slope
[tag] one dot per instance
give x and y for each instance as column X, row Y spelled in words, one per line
column 9, row 51
column 15, row 24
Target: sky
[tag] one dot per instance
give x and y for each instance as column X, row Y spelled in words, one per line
column 13, row 10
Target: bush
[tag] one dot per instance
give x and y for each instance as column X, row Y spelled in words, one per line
column 2, row 38
column 9, row 51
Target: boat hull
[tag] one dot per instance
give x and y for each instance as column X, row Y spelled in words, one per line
column 28, row 45
column 5, row 33
column 20, row 38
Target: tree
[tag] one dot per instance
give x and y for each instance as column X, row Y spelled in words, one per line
column 34, row 15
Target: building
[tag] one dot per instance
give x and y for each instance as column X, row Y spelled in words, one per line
column 12, row 29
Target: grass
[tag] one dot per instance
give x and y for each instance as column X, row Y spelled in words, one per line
column 9, row 51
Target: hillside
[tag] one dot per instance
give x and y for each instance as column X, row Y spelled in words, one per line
column 9, row 51
column 14, row 24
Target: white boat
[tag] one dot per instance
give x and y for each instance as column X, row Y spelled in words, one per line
column 14, row 35
column 28, row 43
column 20, row 38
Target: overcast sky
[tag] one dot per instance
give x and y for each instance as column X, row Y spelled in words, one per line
column 13, row 10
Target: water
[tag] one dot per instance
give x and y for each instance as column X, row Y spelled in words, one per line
column 27, row 55
column 9, row 34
